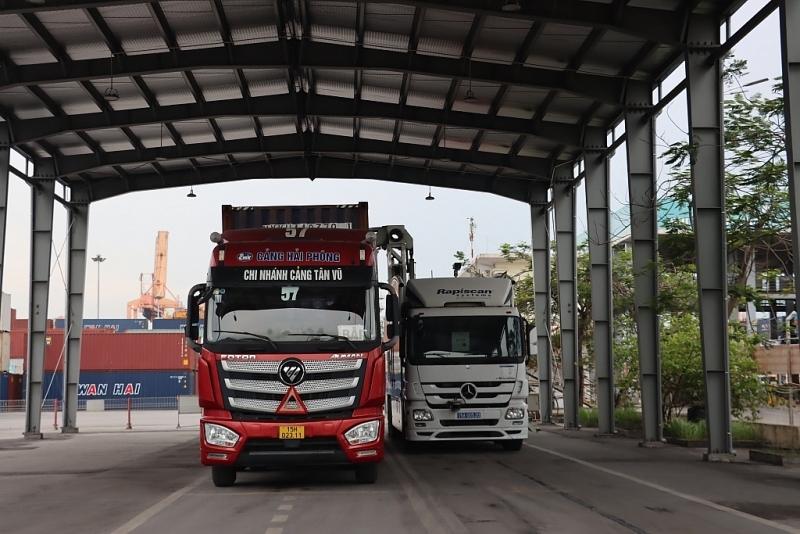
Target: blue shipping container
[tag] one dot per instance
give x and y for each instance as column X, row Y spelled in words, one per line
column 171, row 324
column 123, row 384
column 120, row 325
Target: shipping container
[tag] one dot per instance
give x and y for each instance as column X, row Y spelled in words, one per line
column 5, row 351
column 107, row 351
column 11, row 387
column 122, row 384
column 117, row 325
column 355, row 216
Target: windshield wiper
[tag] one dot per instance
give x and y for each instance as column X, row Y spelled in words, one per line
column 316, row 337
column 257, row 336
column 439, row 353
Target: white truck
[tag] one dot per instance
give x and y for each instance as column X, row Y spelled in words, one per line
column 459, row 371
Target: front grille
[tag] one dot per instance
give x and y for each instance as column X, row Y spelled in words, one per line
column 271, row 453
column 253, row 387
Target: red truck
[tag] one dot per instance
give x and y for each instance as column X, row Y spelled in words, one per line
column 291, row 369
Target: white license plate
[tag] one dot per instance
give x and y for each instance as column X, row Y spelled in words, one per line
column 468, row 415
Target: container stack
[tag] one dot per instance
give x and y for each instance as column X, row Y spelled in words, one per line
column 118, row 360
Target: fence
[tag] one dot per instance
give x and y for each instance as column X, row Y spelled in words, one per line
column 108, row 414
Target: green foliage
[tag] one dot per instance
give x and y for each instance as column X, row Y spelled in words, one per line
column 624, row 417
column 683, row 429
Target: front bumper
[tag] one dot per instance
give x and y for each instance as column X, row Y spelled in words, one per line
column 259, row 445
column 447, row 426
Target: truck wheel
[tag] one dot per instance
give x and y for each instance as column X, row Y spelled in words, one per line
column 223, row 476
column 367, row 473
column 512, row 444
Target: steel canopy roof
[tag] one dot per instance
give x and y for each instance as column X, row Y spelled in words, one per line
column 125, row 96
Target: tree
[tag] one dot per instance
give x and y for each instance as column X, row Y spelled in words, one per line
column 757, row 201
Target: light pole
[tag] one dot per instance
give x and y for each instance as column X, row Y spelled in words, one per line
column 98, row 260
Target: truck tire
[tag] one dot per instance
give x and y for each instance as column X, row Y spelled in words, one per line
column 367, row 473
column 512, row 444
column 223, row 476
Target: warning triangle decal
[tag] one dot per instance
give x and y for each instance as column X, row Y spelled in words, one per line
column 291, row 404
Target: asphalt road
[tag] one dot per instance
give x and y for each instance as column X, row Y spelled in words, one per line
column 562, row 481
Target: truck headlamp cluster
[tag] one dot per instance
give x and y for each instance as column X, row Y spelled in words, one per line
column 363, row 433
column 515, row 413
column 220, row 436
column 423, row 415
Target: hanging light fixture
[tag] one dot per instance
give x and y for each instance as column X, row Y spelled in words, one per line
column 470, row 98
column 430, row 196
column 111, row 94
column 191, row 192
column 511, row 6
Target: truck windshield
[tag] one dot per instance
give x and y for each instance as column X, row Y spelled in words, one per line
column 293, row 314
column 478, row 339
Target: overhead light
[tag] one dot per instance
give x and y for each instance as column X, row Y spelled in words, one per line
column 511, row 6
column 470, row 98
column 111, row 94
column 191, row 192
column 430, row 196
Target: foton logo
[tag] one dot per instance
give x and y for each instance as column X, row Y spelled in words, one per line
column 244, row 256
column 237, row 356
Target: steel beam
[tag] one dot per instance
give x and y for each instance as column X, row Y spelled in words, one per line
column 704, row 82
column 540, row 250
column 567, row 269
column 43, row 200
column 78, row 229
column 642, row 190
column 598, row 221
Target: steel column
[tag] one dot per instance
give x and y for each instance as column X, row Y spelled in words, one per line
column 567, row 268
column 540, row 250
column 642, row 191
column 78, row 229
column 43, row 199
column 5, row 153
column 704, row 91
column 598, row 220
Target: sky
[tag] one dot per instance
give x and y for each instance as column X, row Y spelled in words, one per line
column 124, row 229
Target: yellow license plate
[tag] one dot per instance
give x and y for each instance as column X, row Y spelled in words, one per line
column 292, row 432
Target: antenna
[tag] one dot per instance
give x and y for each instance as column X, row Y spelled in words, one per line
column 472, row 227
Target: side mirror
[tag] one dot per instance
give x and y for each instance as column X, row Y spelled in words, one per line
column 193, row 317
column 392, row 317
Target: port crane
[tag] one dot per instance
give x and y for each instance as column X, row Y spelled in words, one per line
column 153, row 303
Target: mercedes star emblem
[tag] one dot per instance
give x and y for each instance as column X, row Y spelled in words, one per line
column 469, row 391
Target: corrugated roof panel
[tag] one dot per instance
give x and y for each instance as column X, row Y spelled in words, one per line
column 111, row 139
column 444, row 32
column 341, row 14
column 458, row 138
column 195, row 131
column 73, row 30
column 333, row 35
column 386, row 41
column 71, row 97
column 334, row 83
column 130, row 97
column 23, row 104
column 568, row 109
column 380, row 129
column 522, row 102
column 266, row 82
column 218, row 84
column 557, row 44
column 340, row 126
column 389, row 19
column 277, row 125
column 251, row 22
column 484, row 94
column 382, row 78
column 499, row 39
column 425, row 100
column 497, row 143
column 153, row 135
column 612, row 54
column 69, row 144
column 193, row 23
column 380, row 94
column 169, row 88
column 20, row 44
column 236, row 128
column 537, row 148
column 427, row 91
column 135, row 28
column 195, row 40
column 416, row 133
column 440, row 47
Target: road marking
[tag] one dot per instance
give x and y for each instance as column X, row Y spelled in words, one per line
column 672, row 492
column 285, row 507
column 142, row 518
column 282, row 518
column 274, row 530
column 432, row 526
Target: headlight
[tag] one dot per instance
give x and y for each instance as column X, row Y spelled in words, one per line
column 220, row 435
column 363, row 433
column 423, row 415
column 515, row 413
